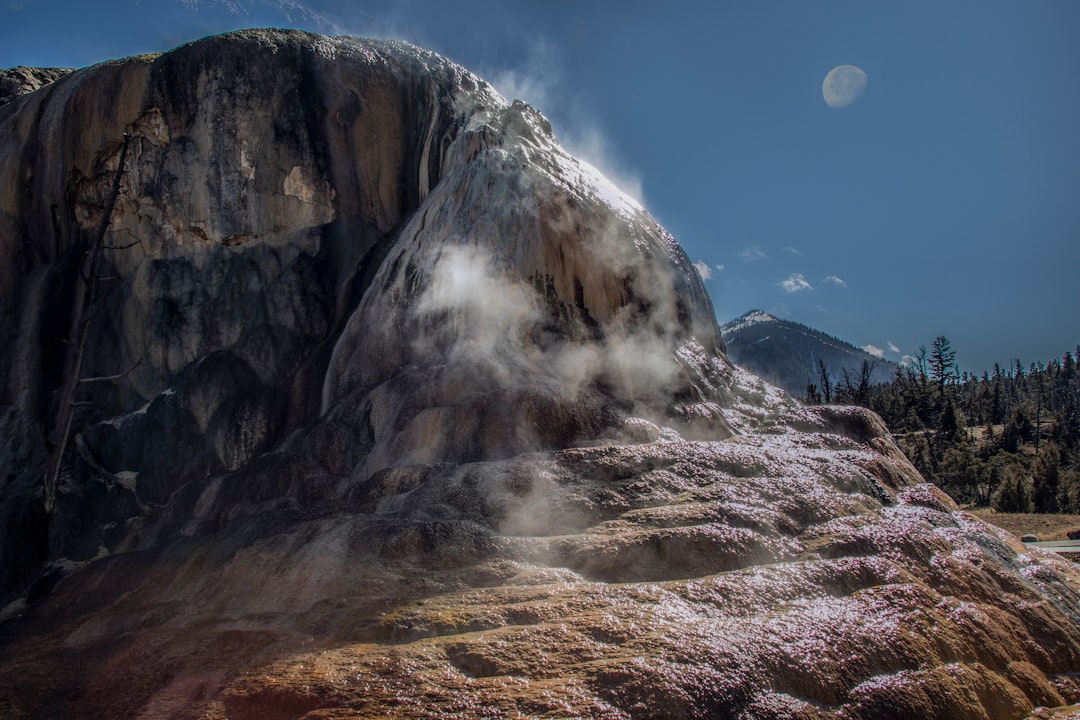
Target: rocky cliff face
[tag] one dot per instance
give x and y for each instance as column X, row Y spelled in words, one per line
column 359, row 397
column 306, row 229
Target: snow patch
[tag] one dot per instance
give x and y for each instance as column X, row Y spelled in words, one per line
column 754, row 317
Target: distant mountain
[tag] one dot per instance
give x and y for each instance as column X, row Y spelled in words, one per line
column 786, row 353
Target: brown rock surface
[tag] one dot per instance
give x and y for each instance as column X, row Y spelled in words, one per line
column 400, row 411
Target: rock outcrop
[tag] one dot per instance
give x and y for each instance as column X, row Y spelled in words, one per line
column 333, row 387
column 21, row 80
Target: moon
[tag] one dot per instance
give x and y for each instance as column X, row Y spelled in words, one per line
column 843, row 85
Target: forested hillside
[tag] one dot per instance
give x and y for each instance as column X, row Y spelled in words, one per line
column 1009, row 438
column 789, row 354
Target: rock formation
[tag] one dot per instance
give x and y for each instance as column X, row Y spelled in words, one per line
column 21, row 80
column 332, row 387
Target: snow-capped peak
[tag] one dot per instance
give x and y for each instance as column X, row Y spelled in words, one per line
column 754, row 317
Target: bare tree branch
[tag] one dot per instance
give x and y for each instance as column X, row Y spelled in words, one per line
column 82, row 313
column 108, row 378
column 122, row 247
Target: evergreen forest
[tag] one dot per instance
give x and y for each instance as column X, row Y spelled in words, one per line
column 1008, row 439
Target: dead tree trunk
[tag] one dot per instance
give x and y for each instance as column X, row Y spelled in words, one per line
column 81, row 315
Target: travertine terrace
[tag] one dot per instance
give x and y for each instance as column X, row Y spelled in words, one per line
column 377, row 403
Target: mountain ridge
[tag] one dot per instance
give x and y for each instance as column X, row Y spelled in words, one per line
column 787, row 353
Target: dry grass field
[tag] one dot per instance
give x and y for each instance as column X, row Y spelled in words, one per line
column 1045, row 527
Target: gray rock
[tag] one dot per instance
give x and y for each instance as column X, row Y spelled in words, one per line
column 18, row 81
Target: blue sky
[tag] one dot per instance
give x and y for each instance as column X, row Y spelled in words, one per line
column 944, row 200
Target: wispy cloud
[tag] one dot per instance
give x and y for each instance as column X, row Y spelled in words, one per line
column 792, row 250
column 752, row 253
column 907, row 361
column 719, row 267
column 704, row 270
column 794, row 283
column 538, row 79
column 586, row 140
column 535, row 81
column 293, row 12
column 539, row 82
column 836, row 280
column 875, row 351
column 892, row 347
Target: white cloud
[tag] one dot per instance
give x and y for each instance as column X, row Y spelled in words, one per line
column 792, row 250
column 719, row 267
column 794, row 283
column 703, row 270
column 875, row 351
column 753, row 253
column 907, row 361
column 892, row 347
column 835, row 280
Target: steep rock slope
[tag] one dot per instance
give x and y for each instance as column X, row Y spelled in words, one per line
column 786, row 353
column 383, row 405
column 270, row 181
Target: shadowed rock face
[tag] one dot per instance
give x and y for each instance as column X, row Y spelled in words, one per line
column 395, row 409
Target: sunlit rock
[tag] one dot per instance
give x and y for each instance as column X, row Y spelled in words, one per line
column 21, row 80
column 394, row 409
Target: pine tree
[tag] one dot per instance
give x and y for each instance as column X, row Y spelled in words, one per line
column 1047, row 480
column 1039, row 404
column 1017, row 430
column 942, row 363
column 1013, row 495
column 997, row 405
column 1007, row 497
column 950, row 422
